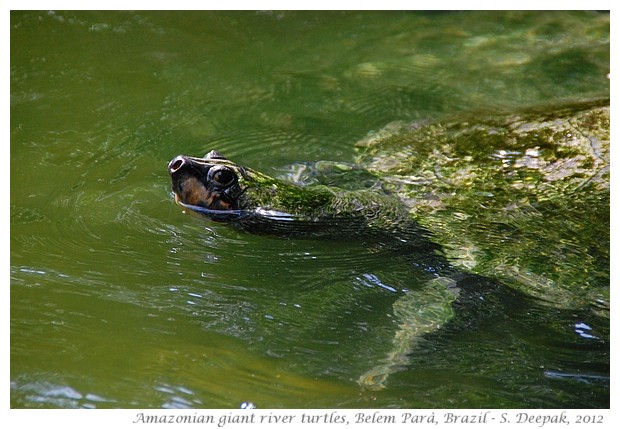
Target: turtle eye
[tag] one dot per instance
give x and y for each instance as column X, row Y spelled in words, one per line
column 222, row 176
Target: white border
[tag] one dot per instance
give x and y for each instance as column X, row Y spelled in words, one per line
column 125, row 418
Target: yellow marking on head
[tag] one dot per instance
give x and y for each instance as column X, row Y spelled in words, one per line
column 194, row 192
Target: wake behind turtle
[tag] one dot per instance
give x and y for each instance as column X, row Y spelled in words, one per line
column 520, row 198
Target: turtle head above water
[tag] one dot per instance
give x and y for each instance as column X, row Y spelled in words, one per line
column 211, row 186
column 223, row 191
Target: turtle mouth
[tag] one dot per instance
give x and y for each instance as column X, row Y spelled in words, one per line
column 218, row 215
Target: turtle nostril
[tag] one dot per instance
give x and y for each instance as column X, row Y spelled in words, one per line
column 176, row 164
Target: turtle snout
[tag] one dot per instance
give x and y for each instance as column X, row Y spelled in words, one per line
column 177, row 164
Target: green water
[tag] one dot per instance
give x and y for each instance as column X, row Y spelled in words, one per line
column 120, row 300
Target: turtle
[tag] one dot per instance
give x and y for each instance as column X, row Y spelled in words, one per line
column 522, row 198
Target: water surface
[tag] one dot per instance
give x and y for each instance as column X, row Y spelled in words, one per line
column 119, row 299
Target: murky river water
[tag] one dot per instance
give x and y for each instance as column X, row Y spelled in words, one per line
column 119, row 299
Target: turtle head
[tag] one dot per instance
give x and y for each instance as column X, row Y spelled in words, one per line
column 211, row 185
column 224, row 191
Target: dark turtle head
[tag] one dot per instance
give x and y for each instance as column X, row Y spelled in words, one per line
column 211, row 185
column 224, row 191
